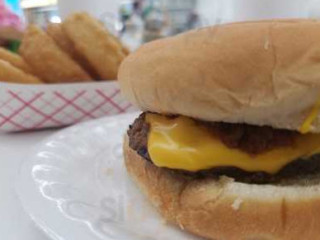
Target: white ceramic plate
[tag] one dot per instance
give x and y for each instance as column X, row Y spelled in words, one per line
column 74, row 186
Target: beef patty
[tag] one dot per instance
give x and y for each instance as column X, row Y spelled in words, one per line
column 248, row 138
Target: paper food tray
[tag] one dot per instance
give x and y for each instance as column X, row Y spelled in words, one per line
column 29, row 107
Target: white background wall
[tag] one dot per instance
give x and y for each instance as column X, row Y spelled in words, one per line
column 95, row 7
column 209, row 11
column 213, row 11
column 238, row 10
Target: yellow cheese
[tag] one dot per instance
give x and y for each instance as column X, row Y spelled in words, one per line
column 180, row 143
column 305, row 128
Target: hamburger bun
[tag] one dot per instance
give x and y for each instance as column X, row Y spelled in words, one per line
column 252, row 72
column 227, row 210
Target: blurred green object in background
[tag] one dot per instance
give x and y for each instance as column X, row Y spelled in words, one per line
column 14, row 45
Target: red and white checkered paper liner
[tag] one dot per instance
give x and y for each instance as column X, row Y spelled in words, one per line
column 29, row 107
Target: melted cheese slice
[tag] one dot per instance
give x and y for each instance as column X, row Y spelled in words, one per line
column 179, row 143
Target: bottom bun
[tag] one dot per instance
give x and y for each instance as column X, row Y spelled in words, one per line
column 227, row 210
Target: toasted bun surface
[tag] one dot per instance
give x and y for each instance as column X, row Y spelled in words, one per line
column 226, row 209
column 261, row 73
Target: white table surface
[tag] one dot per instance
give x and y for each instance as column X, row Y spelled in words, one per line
column 15, row 224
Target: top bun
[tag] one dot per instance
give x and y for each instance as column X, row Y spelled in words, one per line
column 260, row 73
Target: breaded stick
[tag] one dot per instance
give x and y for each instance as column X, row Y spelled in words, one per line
column 47, row 60
column 14, row 59
column 55, row 31
column 9, row 73
column 95, row 43
column 125, row 50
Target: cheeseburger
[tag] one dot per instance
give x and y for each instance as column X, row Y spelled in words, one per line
column 228, row 144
